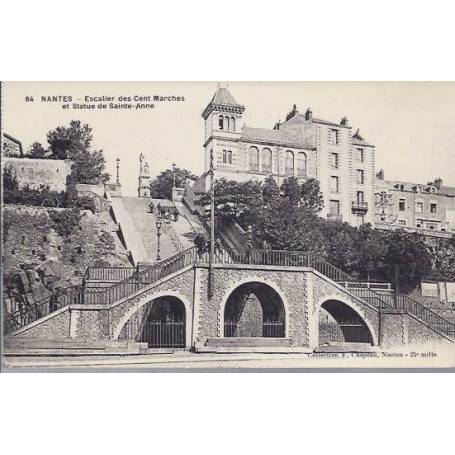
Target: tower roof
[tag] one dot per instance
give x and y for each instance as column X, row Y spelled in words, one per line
column 223, row 96
column 223, row 100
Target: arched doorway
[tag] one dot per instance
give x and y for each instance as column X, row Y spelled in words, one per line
column 253, row 310
column 161, row 323
column 339, row 323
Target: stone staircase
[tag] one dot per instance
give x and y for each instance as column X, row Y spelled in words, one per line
column 34, row 346
column 144, row 224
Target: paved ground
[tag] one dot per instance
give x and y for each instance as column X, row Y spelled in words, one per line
column 187, row 360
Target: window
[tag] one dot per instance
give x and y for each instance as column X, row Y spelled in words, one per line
column 419, row 207
column 226, row 121
column 229, row 157
column 360, row 197
column 334, row 184
column 334, row 160
column 224, row 156
column 360, row 155
column 334, row 136
column 301, row 164
column 289, row 163
column 220, row 122
column 334, row 207
column 233, row 123
column 402, row 222
column 402, row 205
column 254, row 159
column 360, row 176
column 267, row 161
column 433, row 207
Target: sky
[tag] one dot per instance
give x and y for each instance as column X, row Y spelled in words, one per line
column 412, row 124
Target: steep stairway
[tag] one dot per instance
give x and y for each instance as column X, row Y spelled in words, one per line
column 144, row 224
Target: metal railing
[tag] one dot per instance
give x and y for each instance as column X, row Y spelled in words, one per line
column 29, row 312
column 108, row 273
column 434, row 320
column 77, row 294
column 140, row 279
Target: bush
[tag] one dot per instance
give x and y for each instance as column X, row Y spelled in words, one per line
column 43, row 196
column 64, row 222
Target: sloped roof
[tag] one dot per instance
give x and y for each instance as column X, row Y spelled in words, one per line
column 223, row 96
column 448, row 190
column 269, row 136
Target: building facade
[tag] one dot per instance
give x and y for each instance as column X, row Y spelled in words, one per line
column 428, row 209
column 302, row 147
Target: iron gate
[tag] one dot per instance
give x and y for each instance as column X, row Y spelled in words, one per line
column 163, row 334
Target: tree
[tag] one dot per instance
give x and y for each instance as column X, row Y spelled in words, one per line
column 312, row 199
column 285, row 226
column 234, row 200
column 37, row 151
column 443, row 259
column 407, row 260
column 161, row 186
column 270, row 190
column 74, row 143
column 290, row 189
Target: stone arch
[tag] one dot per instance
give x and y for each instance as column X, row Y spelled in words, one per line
column 253, row 279
column 352, row 306
column 149, row 298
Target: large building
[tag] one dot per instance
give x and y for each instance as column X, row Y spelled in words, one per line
column 303, row 147
column 428, row 209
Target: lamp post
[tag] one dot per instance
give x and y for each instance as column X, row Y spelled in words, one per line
column 118, row 166
column 212, row 226
column 173, row 175
column 158, row 235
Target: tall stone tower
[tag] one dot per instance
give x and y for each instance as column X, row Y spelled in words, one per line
column 223, row 122
column 143, row 189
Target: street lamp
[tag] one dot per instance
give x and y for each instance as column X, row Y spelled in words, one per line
column 158, row 234
column 118, row 166
column 173, row 175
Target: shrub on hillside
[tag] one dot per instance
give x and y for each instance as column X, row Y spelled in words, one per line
column 65, row 221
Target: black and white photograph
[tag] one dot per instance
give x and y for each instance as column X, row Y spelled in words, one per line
column 228, row 224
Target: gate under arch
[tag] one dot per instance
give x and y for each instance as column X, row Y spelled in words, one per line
column 161, row 323
column 253, row 310
column 339, row 323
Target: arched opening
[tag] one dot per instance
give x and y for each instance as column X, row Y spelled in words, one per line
column 254, row 159
column 233, row 123
column 301, row 164
column 220, row 122
column 161, row 323
column 289, row 163
column 226, row 123
column 254, row 310
column 267, row 161
column 339, row 323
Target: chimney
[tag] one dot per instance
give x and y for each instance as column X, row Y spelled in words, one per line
column 344, row 121
column 309, row 114
column 438, row 183
column 380, row 175
column 292, row 113
column 277, row 125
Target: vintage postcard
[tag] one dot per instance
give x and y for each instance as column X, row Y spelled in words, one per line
column 216, row 225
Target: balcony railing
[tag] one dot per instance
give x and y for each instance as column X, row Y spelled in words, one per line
column 359, row 206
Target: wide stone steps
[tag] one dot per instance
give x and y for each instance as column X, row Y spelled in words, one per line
column 33, row 346
column 250, row 342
